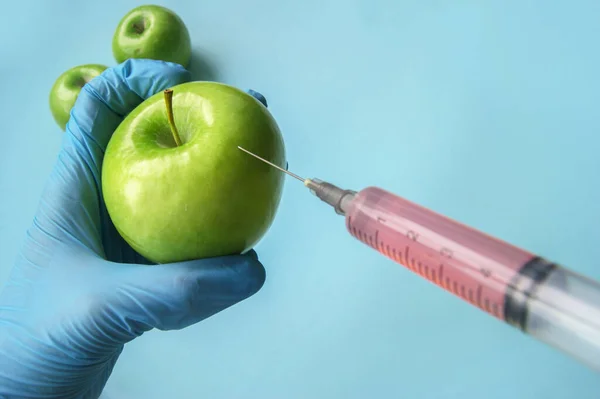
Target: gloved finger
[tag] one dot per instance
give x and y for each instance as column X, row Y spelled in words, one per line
column 259, row 97
column 106, row 99
column 177, row 295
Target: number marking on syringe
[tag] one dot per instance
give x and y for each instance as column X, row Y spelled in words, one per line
column 412, row 235
column 423, row 267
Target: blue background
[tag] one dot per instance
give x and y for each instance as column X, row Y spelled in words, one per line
column 484, row 111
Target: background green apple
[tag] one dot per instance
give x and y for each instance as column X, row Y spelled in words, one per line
column 66, row 88
column 205, row 197
column 152, row 32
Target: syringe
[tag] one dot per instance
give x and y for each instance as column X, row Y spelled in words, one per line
column 545, row 300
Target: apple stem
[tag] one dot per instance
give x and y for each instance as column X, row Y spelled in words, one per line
column 169, row 104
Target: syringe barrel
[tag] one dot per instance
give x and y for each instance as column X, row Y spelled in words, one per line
column 541, row 298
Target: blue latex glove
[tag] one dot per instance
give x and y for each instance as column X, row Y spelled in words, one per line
column 78, row 292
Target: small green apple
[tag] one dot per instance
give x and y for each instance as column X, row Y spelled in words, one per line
column 66, row 88
column 204, row 196
column 152, row 32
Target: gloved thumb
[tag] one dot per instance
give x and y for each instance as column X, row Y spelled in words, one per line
column 177, row 295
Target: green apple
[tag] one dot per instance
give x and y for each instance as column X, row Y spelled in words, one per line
column 184, row 190
column 66, row 88
column 152, row 32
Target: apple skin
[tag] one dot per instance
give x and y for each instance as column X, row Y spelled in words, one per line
column 66, row 89
column 206, row 197
column 152, row 32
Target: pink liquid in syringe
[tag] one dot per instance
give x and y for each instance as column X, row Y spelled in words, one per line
column 472, row 265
